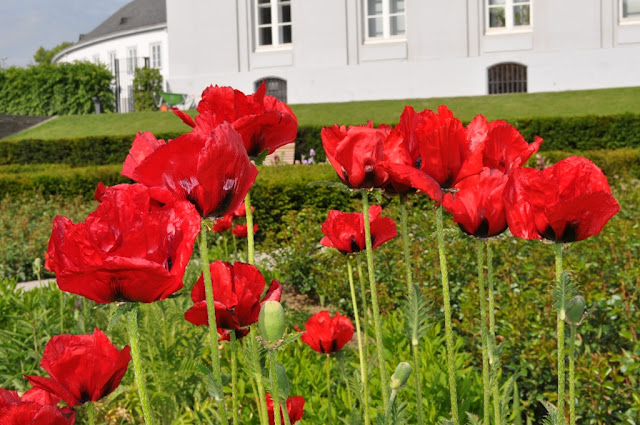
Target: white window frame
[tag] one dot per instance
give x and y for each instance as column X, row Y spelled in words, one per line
column 132, row 60
column 275, row 25
column 509, row 18
column 625, row 19
column 386, row 23
column 111, row 61
column 155, row 61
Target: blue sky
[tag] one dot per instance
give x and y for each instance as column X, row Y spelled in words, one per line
column 25, row 25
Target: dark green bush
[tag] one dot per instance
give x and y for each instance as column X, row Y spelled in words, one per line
column 55, row 89
column 147, row 83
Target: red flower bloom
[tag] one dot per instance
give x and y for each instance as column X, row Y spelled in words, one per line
column 30, row 410
column 345, row 231
column 506, row 148
column 295, row 406
column 241, row 211
column 82, row 367
column 477, row 207
column 326, row 334
column 355, row 152
column 569, row 201
column 449, row 152
column 208, row 167
column 240, row 230
column 263, row 121
column 223, row 223
column 236, row 292
column 129, row 249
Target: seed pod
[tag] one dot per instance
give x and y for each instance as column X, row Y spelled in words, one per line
column 271, row 324
column 575, row 309
column 400, row 376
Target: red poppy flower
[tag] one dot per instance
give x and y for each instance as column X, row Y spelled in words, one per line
column 569, row 201
column 326, row 334
column 263, row 121
column 82, row 367
column 355, row 152
column 449, row 152
column 208, row 167
column 236, row 292
column 506, row 148
column 240, row 230
column 241, row 211
column 129, row 249
column 223, row 223
column 295, row 409
column 345, row 231
column 30, row 410
column 477, row 206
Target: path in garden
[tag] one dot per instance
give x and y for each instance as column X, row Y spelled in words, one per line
column 27, row 286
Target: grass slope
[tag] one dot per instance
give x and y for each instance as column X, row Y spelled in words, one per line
column 508, row 107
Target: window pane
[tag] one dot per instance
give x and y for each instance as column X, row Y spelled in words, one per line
column 264, row 1
column 284, row 34
column 494, row 2
column 397, row 25
column 496, row 17
column 396, row 6
column 521, row 1
column 284, row 14
column 375, row 27
column 521, row 15
column 631, row 8
column 264, row 36
column 374, row 7
column 264, row 15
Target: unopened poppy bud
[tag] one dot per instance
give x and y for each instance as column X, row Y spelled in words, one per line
column 271, row 324
column 575, row 309
column 283, row 383
column 400, row 376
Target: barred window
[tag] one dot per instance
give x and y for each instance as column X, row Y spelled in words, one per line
column 276, row 87
column 507, row 77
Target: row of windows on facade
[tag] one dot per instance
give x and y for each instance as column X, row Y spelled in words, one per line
column 132, row 61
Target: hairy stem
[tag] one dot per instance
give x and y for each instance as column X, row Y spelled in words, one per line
column 134, row 342
column 255, row 358
column 234, row 376
column 250, row 239
column 560, row 323
column 483, row 334
column 365, row 314
column 572, row 375
column 90, row 413
column 273, row 372
column 328, row 370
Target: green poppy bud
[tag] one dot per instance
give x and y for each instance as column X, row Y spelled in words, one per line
column 271, row 324
column 400, row 376
column 575, row 309
column 283, row 383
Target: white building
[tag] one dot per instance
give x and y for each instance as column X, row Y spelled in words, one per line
column 341, row 50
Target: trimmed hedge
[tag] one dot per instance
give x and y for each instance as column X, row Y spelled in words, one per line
column 559, row 134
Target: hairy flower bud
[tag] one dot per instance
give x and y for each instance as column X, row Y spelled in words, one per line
column 575, row 309
column 400, row 376
column 271, row 324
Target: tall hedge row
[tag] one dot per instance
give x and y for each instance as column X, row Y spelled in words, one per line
column 559, row 134
column 55, row 89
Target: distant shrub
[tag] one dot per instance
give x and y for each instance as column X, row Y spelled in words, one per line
column 147, row 83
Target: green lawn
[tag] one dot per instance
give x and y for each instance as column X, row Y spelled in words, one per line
column 508, row 107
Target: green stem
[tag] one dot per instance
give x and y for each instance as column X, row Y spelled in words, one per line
column 285, row 414
column 273, row 372
column 250, row 239
column 90, row 413
column 361, row 353
column 255, row 358
column 134, row 342
column 61, row 312
column 572, row 375
column 492, row 309
column 483, row 334
column 328, row 369
column 365, row 314
column 560, row 323
column 491, row 339
column 414, row 341
column 451, row 366
column 235, row 246
column 374, row 302
column 224, row 243
column 234, row 376
column 211, row 315
column 392, row 399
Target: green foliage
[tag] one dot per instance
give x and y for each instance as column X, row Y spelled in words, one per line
column 55, row 89
column 44, row 56
column 147, row 83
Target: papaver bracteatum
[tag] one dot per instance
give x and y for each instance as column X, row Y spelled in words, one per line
column 449, row 152
column 345, row 231
column 240, row 230
column 326, row 334
column 505, row 148
column 82, row 368
column 208, row 167
column 569, row 201
column 355, row 152
column 33, row 410
column 295, row 409
column 263, row 121
column 129, row 249
column 236, row 292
